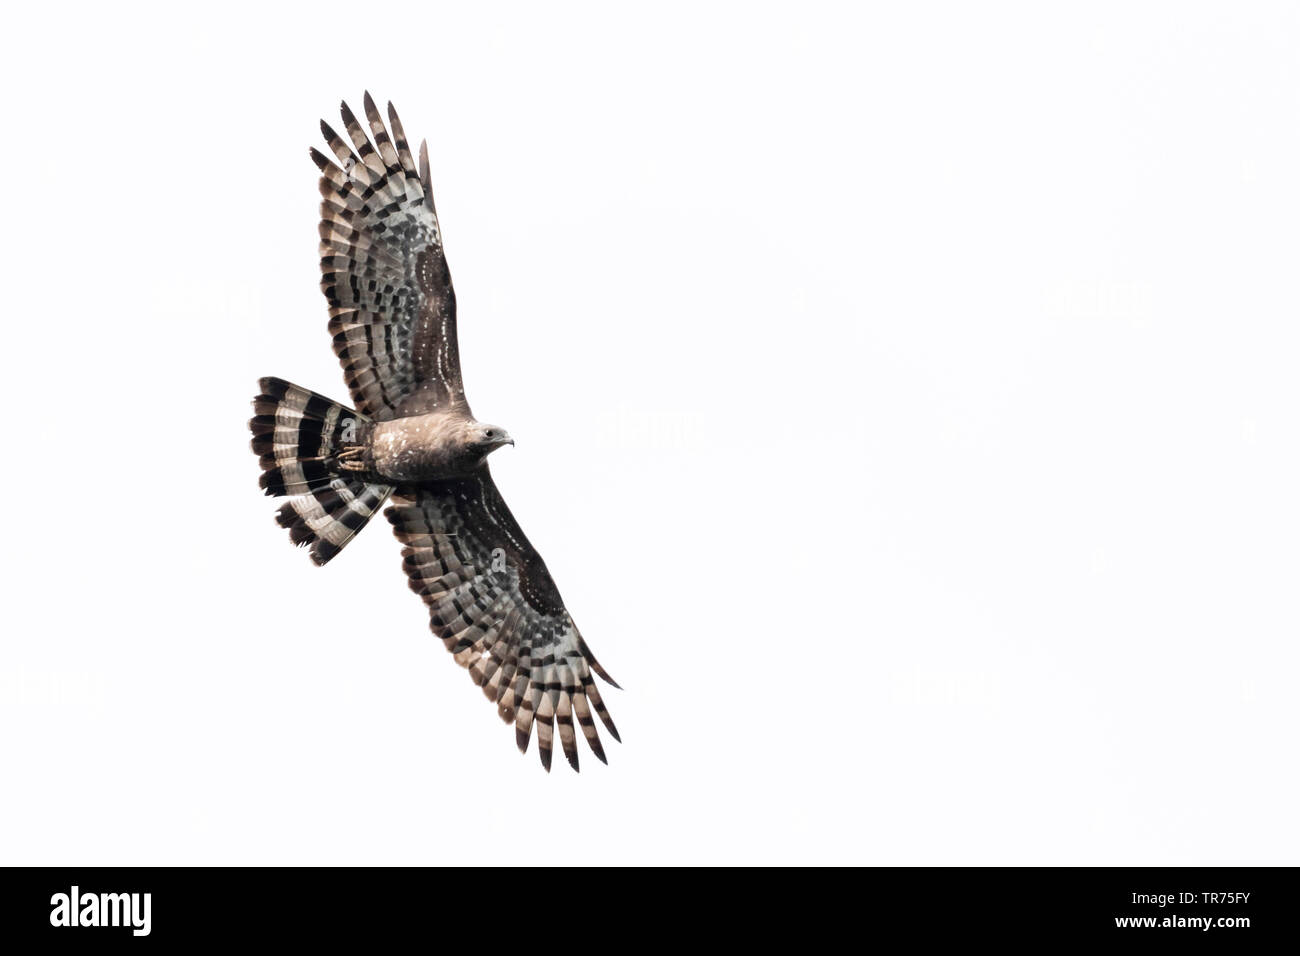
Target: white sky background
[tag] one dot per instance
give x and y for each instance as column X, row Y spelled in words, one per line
column 905, row 400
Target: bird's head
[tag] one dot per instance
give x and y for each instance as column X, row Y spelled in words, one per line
column 488, row 438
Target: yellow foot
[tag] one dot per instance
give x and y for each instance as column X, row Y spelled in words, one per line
column 350, row 459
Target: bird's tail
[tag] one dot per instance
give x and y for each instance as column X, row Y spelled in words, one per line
column 299, row 436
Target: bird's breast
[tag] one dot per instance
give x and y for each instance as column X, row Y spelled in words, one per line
column 419, row 448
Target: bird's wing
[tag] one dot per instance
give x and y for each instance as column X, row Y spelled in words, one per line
column 495, row 607
column 392, row 307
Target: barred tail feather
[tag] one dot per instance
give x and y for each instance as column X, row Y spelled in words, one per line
column 297, row 435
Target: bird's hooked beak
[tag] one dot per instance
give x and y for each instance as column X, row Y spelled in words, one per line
column 501, row 438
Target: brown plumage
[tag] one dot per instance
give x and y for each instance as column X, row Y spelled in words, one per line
column 412, row 437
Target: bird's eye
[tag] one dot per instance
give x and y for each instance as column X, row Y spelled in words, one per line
column 490, row 433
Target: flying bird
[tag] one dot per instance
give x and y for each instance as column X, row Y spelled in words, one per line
column 412, row 440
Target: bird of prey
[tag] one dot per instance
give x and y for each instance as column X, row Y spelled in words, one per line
column 413, row 439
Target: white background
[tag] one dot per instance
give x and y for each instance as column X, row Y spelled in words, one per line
column 905, row 400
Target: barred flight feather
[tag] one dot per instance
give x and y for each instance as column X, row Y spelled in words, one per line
column 383, row 272
column 496, row 609
column 297, row 435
